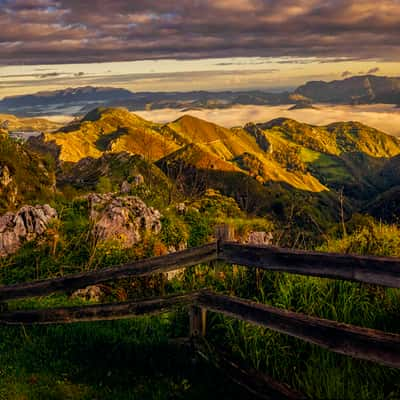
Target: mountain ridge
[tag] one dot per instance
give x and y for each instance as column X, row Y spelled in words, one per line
column 307, row 157
column 360, row 89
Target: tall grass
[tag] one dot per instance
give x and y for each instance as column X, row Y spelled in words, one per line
column 75, row 361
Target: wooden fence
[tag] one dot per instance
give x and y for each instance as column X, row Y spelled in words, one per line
column 357, row 342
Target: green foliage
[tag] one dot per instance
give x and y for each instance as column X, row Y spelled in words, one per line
column 65, row 362
column 174, row 231
column 104, row 185
column 32, row 176
column 215, row 205
column 367, row 237
column 199, row 228
column 110, row 360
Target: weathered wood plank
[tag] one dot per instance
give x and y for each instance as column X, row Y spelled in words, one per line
column 383, row 271
column 362, row 343
column 197, row 321
column 169, row 262
column 99, row 312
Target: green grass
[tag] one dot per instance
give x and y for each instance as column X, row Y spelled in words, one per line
column 133, row 359
column 314, row 371
column 129, row 359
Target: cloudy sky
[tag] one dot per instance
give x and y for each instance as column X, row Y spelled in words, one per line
column 193, row 44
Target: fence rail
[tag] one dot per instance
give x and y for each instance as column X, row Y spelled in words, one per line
column 362, row 343
column 384, row 271
column 153, row 265
column 98, row 312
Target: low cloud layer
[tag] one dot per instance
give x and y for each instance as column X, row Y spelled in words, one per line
column 382, row 117
column 72, row 31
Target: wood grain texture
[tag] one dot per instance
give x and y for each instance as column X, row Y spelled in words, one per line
column 100, row 312
column 154, row 265
column 362, row 343
column 384, row 271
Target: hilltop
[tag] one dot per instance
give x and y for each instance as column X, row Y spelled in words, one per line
column 363, row 89
column 10, row 122
column 111, row 130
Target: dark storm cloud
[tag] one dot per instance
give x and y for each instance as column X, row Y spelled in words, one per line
column 65, row 31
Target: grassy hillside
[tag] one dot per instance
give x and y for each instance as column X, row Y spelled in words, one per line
column 299, row 157
column 25, row 177
column 234, row 144
column 111, row 130
column 28, row 124
column 341, row 155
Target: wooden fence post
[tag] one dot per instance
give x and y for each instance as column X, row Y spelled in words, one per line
column 225, row 233
column 197, row 320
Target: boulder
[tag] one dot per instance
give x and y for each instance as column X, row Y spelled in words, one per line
column 126, row 219
column 181, row 208
column 126, row 187
column 92, row 293
column 24, row 225
column 260, row 238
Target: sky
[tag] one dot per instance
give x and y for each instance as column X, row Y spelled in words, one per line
column 154, row 45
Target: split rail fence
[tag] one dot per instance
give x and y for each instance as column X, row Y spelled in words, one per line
column 354, row 341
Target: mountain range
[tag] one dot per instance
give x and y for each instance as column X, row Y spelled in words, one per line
column 366, row 89
column 266, row 167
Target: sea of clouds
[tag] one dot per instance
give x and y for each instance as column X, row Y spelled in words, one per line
column 384, row 117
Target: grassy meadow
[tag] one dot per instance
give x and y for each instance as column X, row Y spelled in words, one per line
column 140, row 358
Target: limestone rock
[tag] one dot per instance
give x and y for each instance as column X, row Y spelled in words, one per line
column 260, row 238
column 92, row 293
column 137, row 180
column 181, row 208
column 125, row 219
column 24, row 225
column 126, row 187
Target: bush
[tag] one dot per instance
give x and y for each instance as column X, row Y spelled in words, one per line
column 174, row 231
column 200, row 228
column 104, row 185
column 368, row 238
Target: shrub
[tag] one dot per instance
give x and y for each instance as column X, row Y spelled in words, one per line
column 104, row 185
column 368, row 238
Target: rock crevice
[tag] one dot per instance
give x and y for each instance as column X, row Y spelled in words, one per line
column 26, row 224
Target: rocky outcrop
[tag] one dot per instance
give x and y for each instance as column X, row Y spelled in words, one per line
column 126, row 219
column 260, row 137
column 24, row 225
column 259, row 238
column 126, row 187
column 135, row 180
